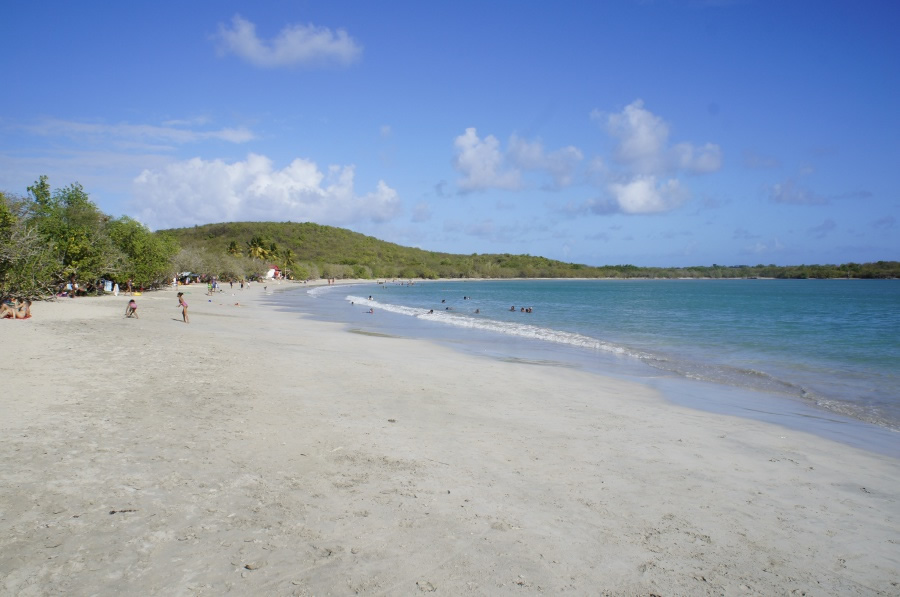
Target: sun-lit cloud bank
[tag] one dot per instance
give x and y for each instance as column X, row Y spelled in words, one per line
column 201, row 191
column 295, row 45
column 644, row 173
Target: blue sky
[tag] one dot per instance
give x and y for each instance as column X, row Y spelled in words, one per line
column 656, row 133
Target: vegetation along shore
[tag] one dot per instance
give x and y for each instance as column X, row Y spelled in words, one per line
column 53, row 238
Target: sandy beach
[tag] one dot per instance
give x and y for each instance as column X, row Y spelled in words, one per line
column 255, row 452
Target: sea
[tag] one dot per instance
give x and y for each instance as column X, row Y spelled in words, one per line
column 821, row 356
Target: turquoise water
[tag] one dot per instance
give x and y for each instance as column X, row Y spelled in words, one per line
column 831, row 346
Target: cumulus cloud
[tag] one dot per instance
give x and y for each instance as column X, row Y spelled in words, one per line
column 698, row 160
column 482, row 164
column 642, row 138
column 559, row 164
column 198, row 191
column 643, row 176
column 644, row 195
column 306, row 45
column 643, row 144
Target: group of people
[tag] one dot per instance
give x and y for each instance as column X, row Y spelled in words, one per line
column 15, row 308
column 131, row 309
column 521, row 309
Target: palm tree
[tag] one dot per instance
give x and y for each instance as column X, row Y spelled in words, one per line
column 287, row 260
column 256, row 248
column 233, row 248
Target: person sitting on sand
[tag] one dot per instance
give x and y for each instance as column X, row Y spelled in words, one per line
column 15, row 309
column 131, row 309
column 9, row 308
column 24, row 311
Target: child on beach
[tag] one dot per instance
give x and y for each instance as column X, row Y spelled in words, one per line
column 131, row 309
column 183, row 304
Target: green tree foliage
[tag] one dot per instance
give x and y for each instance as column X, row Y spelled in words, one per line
column 27, row 267
column 76, row 232
column 256, row 248
column 148, row 257
column 57, row 236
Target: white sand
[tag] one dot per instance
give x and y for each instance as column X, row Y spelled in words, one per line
column 253, row 452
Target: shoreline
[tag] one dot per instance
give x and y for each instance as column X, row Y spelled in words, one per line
column 257, row 451
column 787, row 411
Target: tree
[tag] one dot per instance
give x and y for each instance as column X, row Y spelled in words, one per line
column 75, row 231
column 256, row 248
column 148, row 256
column 27, row 267
column 287, row 261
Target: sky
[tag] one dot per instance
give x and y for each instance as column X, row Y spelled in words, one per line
column 654, row 133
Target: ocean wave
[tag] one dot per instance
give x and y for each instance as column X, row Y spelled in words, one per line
column 521, row 330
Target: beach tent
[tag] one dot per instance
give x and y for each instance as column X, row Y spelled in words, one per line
column 273, row 272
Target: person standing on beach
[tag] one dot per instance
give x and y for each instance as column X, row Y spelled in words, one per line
column 183, row 304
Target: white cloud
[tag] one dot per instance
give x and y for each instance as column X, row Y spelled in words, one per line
column 643, row 156
column 643, row 146
column 482, row 163
column 199, row 192
column 643, row 195
column 136, row 134
column 560, row 164
column 698, row 160
column 295, row 45
column 642, row 138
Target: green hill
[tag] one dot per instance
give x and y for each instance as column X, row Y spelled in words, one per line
column 327, row 251
column 307, row 250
